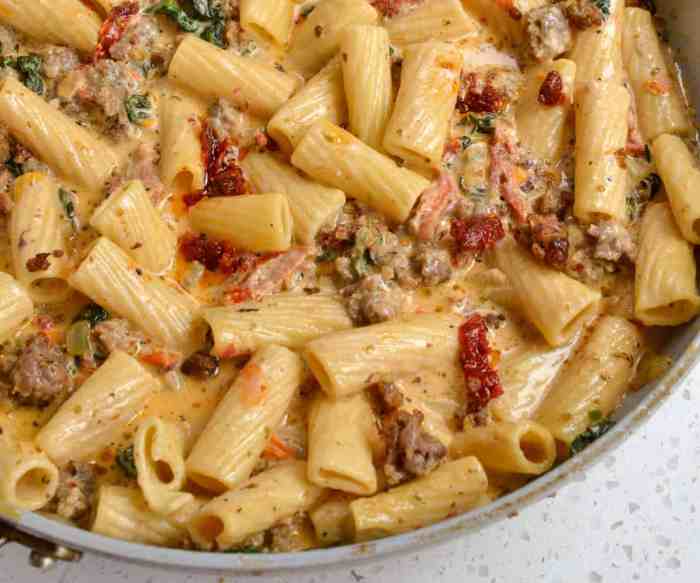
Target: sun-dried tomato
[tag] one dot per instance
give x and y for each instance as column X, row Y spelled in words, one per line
column 552, row 90
column 481, row 378
column 114, row 27
column 224, row 176
column 217, row 255
column 391, row 7
column 477, row 233
column 484, row 98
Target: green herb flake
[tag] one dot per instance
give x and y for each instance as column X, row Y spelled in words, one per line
column 464, row 142
column 603, row 6
column 94, row 314
column 29, row 69
column 126, row 462
column 598, row 429
column 138, row 108
column 482, row 124
column 66, row 198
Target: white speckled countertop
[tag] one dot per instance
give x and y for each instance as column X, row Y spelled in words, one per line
column 631, row 518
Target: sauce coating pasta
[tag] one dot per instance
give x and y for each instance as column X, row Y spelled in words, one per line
column 283, row 274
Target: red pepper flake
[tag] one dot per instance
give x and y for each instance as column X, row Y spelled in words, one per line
column 510, row 8
column 477, row 233
column 224, row 176
column 217, row 255
column 482, row 381
column 238, row 295
column 391, row 7
column 552, row 90
column 480, row 98
column 114, row 27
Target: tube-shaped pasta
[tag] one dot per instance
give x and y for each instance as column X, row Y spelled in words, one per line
column 545, row 130
column 255, row 506
column 95, row 415
column 323, row 97
column 62, row 22
column 601, row 136
column 597, row 51
column 660, row 105
column 181, row 163
column 214, row 72
column 123, row 513
column 367, row 79
column 55, row 138
column 332, row 520
column 525, row 447
column 256, row 222
column 160, row 463
column 337, row 158
column 16, row 306
column 231, row 443
column 343, row 362
column 665, row 290
column 160, row 308
column 29, row 478
column 595, row 379
column 436, row 20
column 426, row 101
column 554, row 302
column 681, row 177
column 505, row 18
column 270, row 20
column 287, row 319
column 129, row 218
column 317, row 39
column 312, row 205
column 452, row 488
column 340, row 445
column 38, row 239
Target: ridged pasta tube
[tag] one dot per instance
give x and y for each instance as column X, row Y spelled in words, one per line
column 270, row 20
column 337, row 158
column 29, row 478
column 16, row 306
column 436, row 20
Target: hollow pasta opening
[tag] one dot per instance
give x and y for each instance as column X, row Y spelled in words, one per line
column 533, row 448
column 164, row 472
column 319, row 370
column 209, row 484
column 32, row 487
column 209, row 527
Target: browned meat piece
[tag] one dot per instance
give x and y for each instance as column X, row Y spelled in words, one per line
column 408, row 450
column 201, row 365
column 548, row 32
column 613, row 242
column 547, row 238
column 117, row 334
column 40, row 262
column 373, row 300
column 434, row 265
column 76, row 491
column 41, row 372
column 583, row 14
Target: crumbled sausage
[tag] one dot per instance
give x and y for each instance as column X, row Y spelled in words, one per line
column 434, row 264
column 373, row 300
column 583, row 14
column 201, row 365
column 613, row 241
column 548, row 32
column 41, row 373
column 547, row 239
column 408, row 450
column 75, row 495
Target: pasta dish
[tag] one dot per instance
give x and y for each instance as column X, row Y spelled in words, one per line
column 284, row 274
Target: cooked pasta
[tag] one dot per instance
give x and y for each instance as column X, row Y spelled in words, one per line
column 277, row 275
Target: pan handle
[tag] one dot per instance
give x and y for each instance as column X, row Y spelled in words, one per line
column 44, row 554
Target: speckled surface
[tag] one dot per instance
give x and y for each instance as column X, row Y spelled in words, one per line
column 632, row 517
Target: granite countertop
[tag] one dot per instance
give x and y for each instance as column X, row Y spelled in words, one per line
column 630, row 518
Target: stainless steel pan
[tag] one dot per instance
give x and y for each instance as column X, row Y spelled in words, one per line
column 52, row 540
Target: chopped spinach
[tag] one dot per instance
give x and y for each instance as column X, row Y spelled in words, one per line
column 483, row 124
column 29, row 69
column 138, row 108
column 599, row 427
column 603, row 6
column 465, row 142
column 211, row 29
column 66, row 198
column 126, row 462
column 94, row 314
column 15, row 168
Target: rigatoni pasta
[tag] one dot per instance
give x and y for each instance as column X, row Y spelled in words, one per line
column 297, row 274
